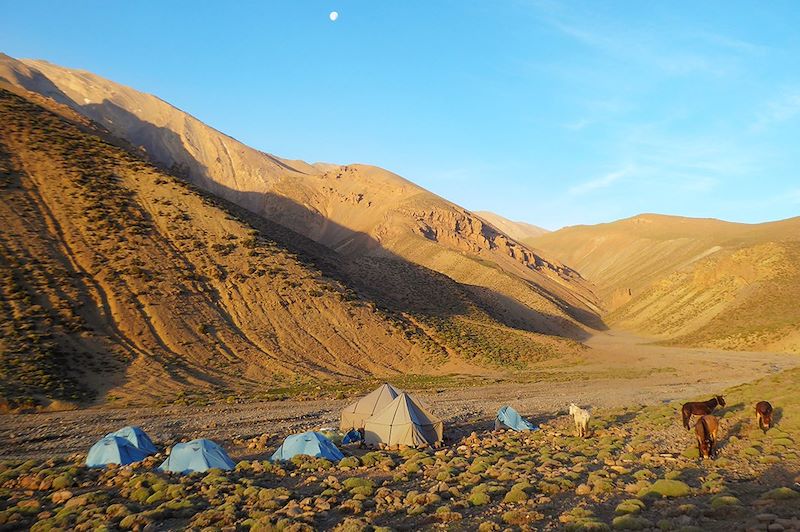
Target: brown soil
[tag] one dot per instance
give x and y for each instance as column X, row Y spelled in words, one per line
column 357, row 210
column 621, row 370
column 124, row 283
column 692, row 281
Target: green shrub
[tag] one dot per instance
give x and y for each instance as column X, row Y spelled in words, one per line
column 350, row 461
column 515, row 496
column 667, row 488
column 479, row 498
column 630, row 522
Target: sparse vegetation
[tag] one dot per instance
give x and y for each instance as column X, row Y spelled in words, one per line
column 628, row 476
column 132, row 241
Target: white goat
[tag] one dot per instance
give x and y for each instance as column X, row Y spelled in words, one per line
column 581, row 418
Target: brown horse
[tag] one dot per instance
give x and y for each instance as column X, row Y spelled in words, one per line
column 706, row 432
column 764, row 415
column 700, row 408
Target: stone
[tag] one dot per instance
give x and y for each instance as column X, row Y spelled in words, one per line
column 61, row 496
column 78, row 501
column 31, row 505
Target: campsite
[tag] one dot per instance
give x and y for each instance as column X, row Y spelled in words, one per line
column 291, row 266
column 637, row 468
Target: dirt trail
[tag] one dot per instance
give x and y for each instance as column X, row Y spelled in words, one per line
column 619, row 369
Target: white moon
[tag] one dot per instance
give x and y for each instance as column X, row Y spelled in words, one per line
column 333, row 16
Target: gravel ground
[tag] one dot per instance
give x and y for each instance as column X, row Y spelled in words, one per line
column 464, row 410
column 619, row 370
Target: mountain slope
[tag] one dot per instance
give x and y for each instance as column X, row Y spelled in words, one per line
column 105, row 255
column 121, row 282
column 357, row 210
column 692, row 281
column 519, row 231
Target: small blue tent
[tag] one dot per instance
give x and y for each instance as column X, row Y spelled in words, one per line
column 310, row 443
column 509, row 418
column 113, row 450
column 196, row 455
column 137, row 437
column 352, row 436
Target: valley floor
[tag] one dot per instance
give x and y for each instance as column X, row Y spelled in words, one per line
column 637, row 470
column 620, row 369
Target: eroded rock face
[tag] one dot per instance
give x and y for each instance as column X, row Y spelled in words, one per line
column 466, row 232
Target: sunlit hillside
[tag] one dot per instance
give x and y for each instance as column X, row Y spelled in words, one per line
column 692, row 281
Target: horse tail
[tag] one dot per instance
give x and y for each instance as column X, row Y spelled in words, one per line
column 702, row 436
column 686, row 415
column 706, row 431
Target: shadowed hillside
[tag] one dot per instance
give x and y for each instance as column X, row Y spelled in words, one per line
column 121, row 281
column 356, row 210
column 693, row 281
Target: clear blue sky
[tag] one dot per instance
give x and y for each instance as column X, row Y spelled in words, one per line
column 551, row 112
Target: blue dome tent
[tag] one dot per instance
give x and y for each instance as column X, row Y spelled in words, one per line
column 196, row 455
column 137, row 437
column 352, row 436
column 113, row 450
column 509, row 418
column 309, row 443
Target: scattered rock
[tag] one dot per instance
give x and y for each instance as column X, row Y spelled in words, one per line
column 61, row 496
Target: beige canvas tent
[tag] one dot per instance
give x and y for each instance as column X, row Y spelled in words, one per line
column 403, row 422
column 353, row 416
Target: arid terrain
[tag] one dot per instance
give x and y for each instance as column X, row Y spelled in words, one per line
column 157, row 272
column 356, row 210
column 637, row 470
column 519, row 231
column 124, row 283
column 692, row 281
column 620, row 370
